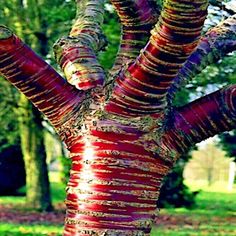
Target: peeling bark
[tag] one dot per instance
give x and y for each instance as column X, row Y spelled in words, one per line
column 216, row 44
column 121, row 144
column 76, row 54
column 141, row 87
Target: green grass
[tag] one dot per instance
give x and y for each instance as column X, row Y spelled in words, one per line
column 203, row 230
column 7, row 229
column 214, row 214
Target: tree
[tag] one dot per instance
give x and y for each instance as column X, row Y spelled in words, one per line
column 227, row 143
column 205, row 163
column 9, row 134
column 121, row 130
column 34, row 21
column 29, row 119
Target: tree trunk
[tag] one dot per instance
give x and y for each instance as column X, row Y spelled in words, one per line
column 209, row 176
column 114, row 178
column 33, row 150
column 232, row 172
column 123, row 134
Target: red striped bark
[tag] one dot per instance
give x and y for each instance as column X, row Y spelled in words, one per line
column 201, row 119
column 120, row 153
column 137, row 19
column 114, row 183
column 76, row 54
column 217, row 43
column 142, row 87
column 41, row 84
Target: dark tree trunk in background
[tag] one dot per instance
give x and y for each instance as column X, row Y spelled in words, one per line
column 29, row 19
column 33, row 149
column 12, row 171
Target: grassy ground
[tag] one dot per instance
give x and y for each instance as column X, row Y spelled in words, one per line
column 214, row 214
column 7, row 229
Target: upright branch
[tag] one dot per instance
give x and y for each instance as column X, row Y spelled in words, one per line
column 137, row 18
column 201, row 119
column 216, row 44
column 41, row 84
column 76, row 54
column 142, row 87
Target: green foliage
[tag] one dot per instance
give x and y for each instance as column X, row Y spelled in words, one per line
column 174, row 192
column 65, row 172
column 58, row 192
column 9, row 134
column 214, row 214
column 217, row 75
column 111, row 28
column 228, row 143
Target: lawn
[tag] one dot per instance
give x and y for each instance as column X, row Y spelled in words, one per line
column 214, row 214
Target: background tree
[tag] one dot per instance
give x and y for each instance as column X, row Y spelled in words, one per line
column 123, row 132
column 174, row 192
column 31, row 21
column 12, row 173
column 205, row 163
column 210, row 79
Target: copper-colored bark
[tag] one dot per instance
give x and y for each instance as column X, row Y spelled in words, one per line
column 120, row 140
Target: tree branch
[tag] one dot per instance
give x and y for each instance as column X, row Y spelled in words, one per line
column 216, row 44
column 76, row 54
column 201, row 119
column 137, row 19
column 41, row 84
column 142, row 88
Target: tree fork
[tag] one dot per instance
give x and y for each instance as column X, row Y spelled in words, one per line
column 142, row 86
column 76, row 54
column 95, row 183
column 121, row 144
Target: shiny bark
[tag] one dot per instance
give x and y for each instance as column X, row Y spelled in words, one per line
column 76, row 54
column 137, row 19
column 121, row 143
column 142, row 86
column 41, row 84
column 217, row 43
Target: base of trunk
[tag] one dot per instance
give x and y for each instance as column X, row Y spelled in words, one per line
column 114, row 182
